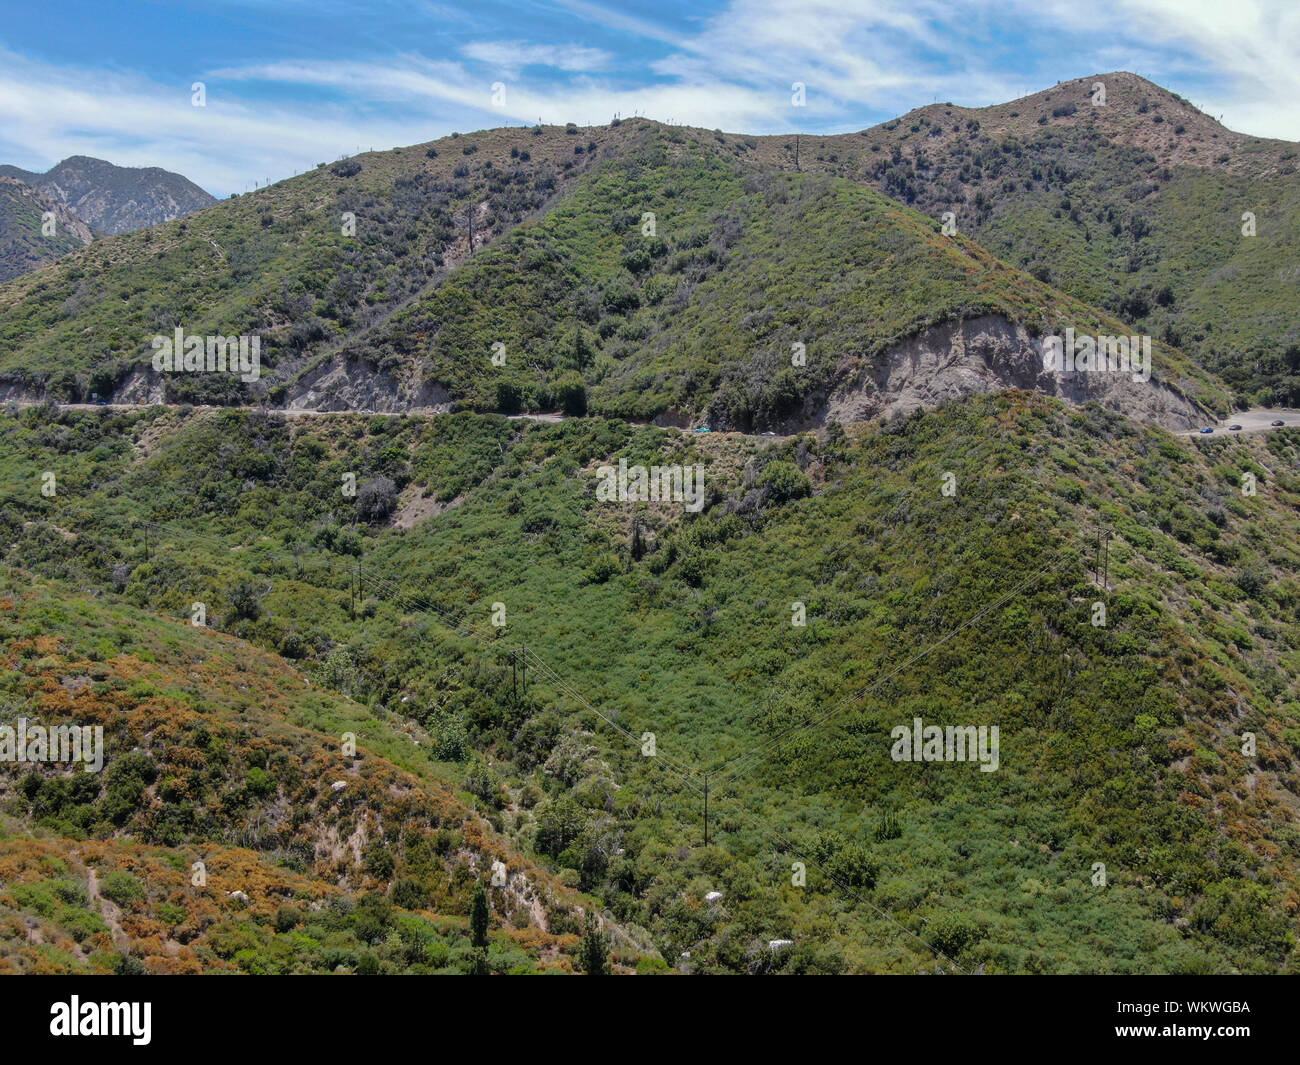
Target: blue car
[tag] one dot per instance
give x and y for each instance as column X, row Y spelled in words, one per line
column 1207, row 429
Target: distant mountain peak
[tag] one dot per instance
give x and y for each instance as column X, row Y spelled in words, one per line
column 116, row 199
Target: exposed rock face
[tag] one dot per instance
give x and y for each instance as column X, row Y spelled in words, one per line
column 335, row 386
column 978, row 355
column 945, row 362
column 355, row 386
column 26, row 241
column 141, row 385
column 115, row 199
column 992, row 354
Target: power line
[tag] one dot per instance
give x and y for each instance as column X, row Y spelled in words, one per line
column 686, row 774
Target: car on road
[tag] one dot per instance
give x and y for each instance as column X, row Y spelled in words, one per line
column 1207, row 429
column 704, row 429
column 1234, row 428
column 1277, row 423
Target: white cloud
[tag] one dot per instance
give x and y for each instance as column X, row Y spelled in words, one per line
column 512, row 56
column 48, row 113
column 1238, row 58
column 586, row 101
column 731, row 70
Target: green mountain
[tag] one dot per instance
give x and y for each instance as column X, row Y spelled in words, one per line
column 1139, row 819
column 232, row 829
column 1136, row 205
column 636, row 271
column 1098, row 610
column 277, row 263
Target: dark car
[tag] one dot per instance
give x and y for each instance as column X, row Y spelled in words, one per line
column 1234, row 428
column 1277, row 423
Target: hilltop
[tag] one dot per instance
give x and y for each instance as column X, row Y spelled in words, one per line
column 1136, row 205
column 636, row 271
column 86, row 197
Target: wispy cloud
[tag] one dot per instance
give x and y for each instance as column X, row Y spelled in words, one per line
column 728, row 66
column 513, row 56
column 48, row 113
column 1237, row 58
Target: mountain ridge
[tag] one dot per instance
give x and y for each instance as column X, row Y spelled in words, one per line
column 1140, row 206
column 372, row 348
column 114, row 199
column 26, row 240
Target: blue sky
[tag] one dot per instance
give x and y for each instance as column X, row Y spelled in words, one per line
column 290, row 83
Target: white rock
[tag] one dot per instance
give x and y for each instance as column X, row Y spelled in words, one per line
column 339, row 785
column 713, row 896
column 238, row 895
column 777, row 944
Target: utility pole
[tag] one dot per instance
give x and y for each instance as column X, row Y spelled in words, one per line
column 706, row 809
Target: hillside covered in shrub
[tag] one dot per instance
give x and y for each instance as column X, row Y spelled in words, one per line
column 1122, row 744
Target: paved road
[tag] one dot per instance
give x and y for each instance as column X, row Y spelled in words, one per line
column 426, row 412
column 1256, row 420
column 287, row 412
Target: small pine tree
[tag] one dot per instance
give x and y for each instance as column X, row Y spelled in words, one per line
column 593, row 955
column 478, row 916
